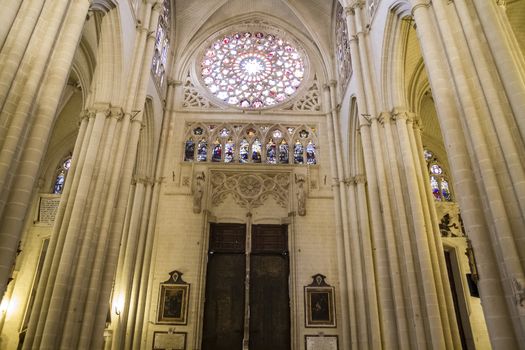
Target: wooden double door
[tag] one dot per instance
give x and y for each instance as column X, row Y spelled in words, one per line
column 247, row 298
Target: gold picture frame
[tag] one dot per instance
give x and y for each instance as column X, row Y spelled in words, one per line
column 173, row 300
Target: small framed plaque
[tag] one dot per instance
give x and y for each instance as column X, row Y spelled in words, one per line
column 173, row 300
column 169, row 340
column 321, row 342
column 319, row 303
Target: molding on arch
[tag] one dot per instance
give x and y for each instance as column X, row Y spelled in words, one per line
column 103, row 6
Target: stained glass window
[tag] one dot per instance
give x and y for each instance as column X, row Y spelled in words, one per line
column 60, row 178
column 251, row 143
column 438, row 180
column 252, row 70
column 344, row 64
column 162, row 44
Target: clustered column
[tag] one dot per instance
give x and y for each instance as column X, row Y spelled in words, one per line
column 480, row 110
column 31, row 83
column 73, row 297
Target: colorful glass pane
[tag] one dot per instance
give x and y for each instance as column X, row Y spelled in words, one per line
column 445, row 191
column 202, row 151
column 283, row 152
column 229, row 151
column 189, row 150
column 428, row 155
column 252, row 70
column 310, row 153
column 436, row 169
column 435, row 188
column 162, row 42
column 298, row 152
column 256, row 151
column 60, row 179
column 216, row 155
column 271, row 152
column 243, row 154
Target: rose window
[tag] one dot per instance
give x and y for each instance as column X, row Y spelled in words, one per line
column 252, row 70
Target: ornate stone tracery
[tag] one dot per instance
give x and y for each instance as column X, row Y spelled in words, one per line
column 249, row 190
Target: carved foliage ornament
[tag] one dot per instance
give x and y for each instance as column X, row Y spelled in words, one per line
column 250, row 190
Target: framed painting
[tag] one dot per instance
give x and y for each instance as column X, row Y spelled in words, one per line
column 319, row 303
column 173, row 300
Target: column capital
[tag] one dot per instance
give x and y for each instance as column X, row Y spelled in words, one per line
column 364, row 120
column 360, row 179
column 417, row 4
column 384, row 117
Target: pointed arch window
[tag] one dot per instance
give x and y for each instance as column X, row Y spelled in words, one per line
column 61, row 174
column 162, row 44
column 251, row 143
column 439, row 183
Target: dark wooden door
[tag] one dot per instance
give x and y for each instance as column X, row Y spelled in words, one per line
column 269, row 299
column 224, row 304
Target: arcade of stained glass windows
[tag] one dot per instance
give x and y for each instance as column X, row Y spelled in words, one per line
column 344, row 64
column 251, row 143
column 252, row 69
column 61, row 173
column 162, row 42
column 439, row 183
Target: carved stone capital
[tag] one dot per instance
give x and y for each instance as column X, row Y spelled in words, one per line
column 364, row 120
column 384, row 117
column 360, row 179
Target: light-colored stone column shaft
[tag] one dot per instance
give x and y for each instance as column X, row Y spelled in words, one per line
column 350, row 240
column 127, row 171
column 387, row 317
column 494, row 306
column 20, row 101
column 503, row 125
column 368, row 262
column 130, row 251
column 497, row 206
column 137, row 282
column 22, row 186
column 90, row 234
column 56, row 311
column 507, row 55
column 427, row 275
column 437, row 255
column 405, row 242
column 348, row 325
column 7, row 18
column 23, row 37
column 390, row 236
column 55, row 245
column 148, row 269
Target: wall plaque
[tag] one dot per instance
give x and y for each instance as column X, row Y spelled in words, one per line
column 169, row 340
column 321, row 342
column 47, row 209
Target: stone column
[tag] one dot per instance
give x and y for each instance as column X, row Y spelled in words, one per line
column 28, row 158
column 387, row 317
column 349, row 337
column 494, row 304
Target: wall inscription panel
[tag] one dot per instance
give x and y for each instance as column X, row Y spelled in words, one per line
column 321, row 342
column 47, row 209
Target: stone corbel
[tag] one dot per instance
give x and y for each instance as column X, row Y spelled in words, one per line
column 198, row 192
column 384, row 118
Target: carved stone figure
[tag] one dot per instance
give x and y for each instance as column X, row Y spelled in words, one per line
column 301, row 195
column 198, row 192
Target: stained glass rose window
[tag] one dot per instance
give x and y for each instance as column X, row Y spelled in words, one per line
column 252, row 70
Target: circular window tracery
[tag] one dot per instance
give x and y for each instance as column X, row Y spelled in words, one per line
column 252, row 70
